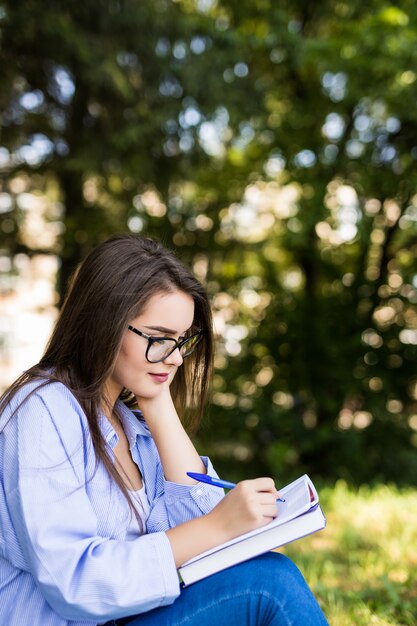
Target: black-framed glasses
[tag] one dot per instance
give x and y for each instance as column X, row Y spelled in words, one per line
column 159, row 348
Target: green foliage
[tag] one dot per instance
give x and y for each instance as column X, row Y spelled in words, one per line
column 362, row 566
column 272, row 144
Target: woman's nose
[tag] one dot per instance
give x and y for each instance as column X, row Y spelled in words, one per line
column 175, row 358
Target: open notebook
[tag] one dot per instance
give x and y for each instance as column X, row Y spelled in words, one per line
column 298, row 516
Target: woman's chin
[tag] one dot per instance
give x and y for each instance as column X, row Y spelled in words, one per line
column 147, row 394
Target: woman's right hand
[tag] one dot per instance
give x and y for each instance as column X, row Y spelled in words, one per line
column 249, row 505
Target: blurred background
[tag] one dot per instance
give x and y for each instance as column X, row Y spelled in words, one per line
column 273, row 145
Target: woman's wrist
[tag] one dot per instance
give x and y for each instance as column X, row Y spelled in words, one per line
column 196, row 536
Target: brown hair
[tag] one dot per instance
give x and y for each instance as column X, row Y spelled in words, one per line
column 108, row 290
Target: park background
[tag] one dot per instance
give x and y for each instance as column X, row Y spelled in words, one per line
column 273, row 145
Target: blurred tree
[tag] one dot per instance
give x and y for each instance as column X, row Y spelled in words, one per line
column 274, row 144
column 330, row 150
column 92, row 99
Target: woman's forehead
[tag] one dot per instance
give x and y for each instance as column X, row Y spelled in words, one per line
column 172, row 310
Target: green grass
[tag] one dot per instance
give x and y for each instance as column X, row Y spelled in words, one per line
column 363, row 566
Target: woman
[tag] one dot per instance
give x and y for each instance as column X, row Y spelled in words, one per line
column 96, row 509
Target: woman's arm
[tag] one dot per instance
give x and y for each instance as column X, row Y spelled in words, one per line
column 176, row 450
column 251, row 504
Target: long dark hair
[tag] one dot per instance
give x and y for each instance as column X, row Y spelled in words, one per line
column 109, row 289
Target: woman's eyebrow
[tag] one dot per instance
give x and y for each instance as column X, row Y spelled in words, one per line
column 162, row 329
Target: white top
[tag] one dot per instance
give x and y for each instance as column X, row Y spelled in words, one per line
column 142, row 506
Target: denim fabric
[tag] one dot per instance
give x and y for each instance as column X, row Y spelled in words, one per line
column 268, row 590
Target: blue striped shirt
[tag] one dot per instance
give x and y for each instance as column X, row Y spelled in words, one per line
column 64, row 557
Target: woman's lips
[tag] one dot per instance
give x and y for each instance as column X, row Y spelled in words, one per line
column 159, row 378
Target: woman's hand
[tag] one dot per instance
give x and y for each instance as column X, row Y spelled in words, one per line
column 251, row 504
column 159, row 406
column 176, row 450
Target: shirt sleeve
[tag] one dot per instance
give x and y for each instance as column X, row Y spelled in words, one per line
column 175, row 503
column 82, row 573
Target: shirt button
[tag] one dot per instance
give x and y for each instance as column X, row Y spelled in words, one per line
column 199, row 492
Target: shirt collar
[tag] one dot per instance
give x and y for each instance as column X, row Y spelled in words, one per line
column 133, row 425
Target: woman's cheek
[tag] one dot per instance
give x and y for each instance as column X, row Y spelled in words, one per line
column 171, row 376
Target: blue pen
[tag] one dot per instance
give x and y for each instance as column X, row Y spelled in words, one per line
column 216, row 482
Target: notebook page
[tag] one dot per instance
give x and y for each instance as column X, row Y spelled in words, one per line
column 297, row 499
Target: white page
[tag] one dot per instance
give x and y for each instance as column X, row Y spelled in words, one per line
column 297, row 499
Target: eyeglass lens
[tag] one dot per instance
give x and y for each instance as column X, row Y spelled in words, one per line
column 160, row 349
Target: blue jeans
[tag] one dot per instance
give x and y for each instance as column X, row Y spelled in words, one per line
column 268, row 590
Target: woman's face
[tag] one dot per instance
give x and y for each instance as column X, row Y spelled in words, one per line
column 168, row 314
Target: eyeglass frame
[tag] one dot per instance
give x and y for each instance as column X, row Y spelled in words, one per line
column 178, row 344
